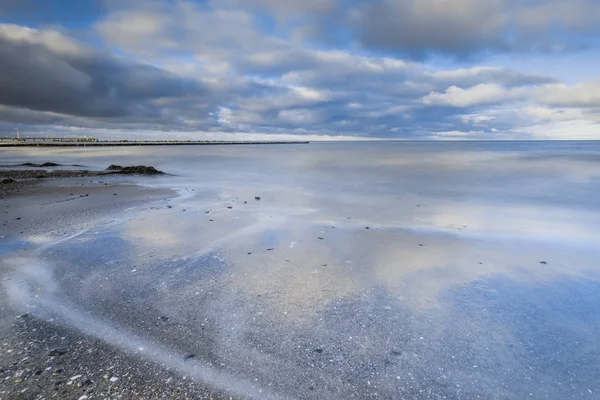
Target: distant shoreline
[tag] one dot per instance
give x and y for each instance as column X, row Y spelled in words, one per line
column 41, row 143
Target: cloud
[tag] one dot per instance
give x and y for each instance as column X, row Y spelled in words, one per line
column 287, row 9
column 465, row 27
column 477, row 95
column 46, row 71
column 300, row 68
column 581, row 95
column 487, row 74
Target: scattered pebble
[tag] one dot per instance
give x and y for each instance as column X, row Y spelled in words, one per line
column 58, row 352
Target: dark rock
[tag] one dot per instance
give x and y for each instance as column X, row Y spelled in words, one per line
column 163, row 318
column 543, row 262
column 319, row 351
column 270, row 249
column 189, row 357
column 256, row 198
column 46, row 164
column 58, row 352
column 396, row 353
column 7, row 181
column 134, row 170
column 320, row 238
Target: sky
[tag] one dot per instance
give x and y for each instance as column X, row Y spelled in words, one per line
column 315, row 69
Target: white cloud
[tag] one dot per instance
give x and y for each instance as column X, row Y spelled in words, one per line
column 543, row 113
column 572, row 130
column 477, row 95
column 582, row 95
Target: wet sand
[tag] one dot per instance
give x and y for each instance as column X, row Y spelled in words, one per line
column 45, row 359
column 418, row 271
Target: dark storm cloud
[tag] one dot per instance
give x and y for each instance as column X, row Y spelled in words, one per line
column 46, row 71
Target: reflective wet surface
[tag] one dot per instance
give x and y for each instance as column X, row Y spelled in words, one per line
column 340, row 270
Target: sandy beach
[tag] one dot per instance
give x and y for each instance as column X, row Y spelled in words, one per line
column 46, row 360
column 322, row 271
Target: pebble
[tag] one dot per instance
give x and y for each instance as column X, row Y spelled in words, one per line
column 58, row 352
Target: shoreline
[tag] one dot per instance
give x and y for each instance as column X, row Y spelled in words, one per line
column 135, row 143
column 42, row 358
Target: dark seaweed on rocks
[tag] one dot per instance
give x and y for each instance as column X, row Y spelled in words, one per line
column 136, row 169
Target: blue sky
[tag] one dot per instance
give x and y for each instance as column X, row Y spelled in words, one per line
column 406, row 69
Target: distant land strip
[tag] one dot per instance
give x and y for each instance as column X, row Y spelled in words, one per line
column 76, row 143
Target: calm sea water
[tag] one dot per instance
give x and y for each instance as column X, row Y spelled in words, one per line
column 365, row 270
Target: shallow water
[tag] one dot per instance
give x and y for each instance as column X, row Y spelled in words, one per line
column 478, row 274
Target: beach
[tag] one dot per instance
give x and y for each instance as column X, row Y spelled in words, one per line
column 330, row 270
column 57, row 209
